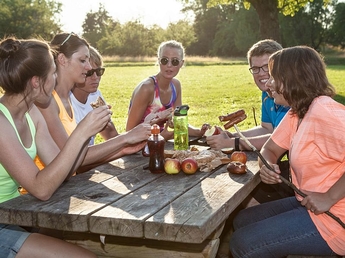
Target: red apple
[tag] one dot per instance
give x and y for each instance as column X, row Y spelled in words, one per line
column 189, row 165
column 236, row 167
column 212, row 131
column 172, row 166
column 239, row 156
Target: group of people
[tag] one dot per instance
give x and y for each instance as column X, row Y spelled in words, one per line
column 48, row 123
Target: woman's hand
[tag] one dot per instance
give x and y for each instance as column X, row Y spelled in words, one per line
column 138, row 134
column 134, row 148
column 158, row 116
column 95, row 121
column 317, row 202
column 270, row 177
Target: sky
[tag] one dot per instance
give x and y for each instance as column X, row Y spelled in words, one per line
column 148, row 12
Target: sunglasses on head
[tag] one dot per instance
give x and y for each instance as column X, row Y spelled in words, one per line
column 67, row 38
column 174, row 61
column 99, row 71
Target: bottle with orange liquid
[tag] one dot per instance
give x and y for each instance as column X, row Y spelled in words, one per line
column 155, row 145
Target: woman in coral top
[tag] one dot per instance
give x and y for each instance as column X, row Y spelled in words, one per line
column 313, row 132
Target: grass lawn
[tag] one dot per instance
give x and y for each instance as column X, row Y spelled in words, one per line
column 209, row 90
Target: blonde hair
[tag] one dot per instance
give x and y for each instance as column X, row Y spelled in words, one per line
column 95, row 57
column 171, row 44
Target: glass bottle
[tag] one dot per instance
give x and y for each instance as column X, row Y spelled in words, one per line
column 155, row 145
column 181, row 128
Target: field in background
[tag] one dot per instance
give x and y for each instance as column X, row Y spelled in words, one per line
column 209, row 89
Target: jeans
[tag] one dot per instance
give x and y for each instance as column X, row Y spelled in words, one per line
column 276, row 229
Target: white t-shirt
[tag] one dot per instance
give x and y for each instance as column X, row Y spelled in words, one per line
column 81, row 109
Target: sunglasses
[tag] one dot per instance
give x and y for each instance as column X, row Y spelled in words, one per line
column 99, row 71
column 175, row 61
column 67, row 38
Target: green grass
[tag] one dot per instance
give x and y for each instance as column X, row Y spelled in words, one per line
column 209, row 90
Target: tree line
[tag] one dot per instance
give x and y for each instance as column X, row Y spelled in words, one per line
column 225, row 28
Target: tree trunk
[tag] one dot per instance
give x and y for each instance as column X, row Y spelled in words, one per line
column 268, row 15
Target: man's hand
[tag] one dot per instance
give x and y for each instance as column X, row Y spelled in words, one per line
column 220, row 141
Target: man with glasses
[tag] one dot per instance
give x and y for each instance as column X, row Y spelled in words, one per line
column 271, row 115
column 83, row 94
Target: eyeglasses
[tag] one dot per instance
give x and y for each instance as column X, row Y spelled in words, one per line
column 99, row 71
column 67, row 38
column 164, row 61
column 255, row 69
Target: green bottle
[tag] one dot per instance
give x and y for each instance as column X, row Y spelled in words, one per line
column 181, row 128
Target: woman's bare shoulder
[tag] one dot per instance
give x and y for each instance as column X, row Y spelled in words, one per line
column 145, row 86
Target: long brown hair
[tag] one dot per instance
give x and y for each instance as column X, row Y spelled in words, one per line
column 20, row 60
column 300, row 75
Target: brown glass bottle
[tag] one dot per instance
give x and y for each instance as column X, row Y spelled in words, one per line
column 156, row 144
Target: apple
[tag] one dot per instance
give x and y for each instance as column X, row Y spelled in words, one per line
column 212, row 131
column 236, row 167
column 189, row 166
column 172, row 166
column 239, row 156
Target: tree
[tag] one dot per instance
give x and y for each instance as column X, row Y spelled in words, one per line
column 337, row 37
column 181, row 31
column 29, row 18
column 96, row 24
column 236, row 35
column 206, row 24
column 267, row 11
column 310, row 25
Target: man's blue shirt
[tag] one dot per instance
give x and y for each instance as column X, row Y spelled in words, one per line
column 271, row 112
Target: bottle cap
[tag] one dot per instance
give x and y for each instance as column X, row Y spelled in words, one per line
column 181, row 110
column 155, row 129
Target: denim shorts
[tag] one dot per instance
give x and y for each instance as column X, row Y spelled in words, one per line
column 12, row 238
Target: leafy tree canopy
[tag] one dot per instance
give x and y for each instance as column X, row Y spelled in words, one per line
column 29, row 18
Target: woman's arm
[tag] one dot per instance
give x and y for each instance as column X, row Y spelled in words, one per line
column 142, row 97
column 322, row 202
column 111, row 149
column 271, row 152
column 109, row 131
column 59, row 164
column 55, row 126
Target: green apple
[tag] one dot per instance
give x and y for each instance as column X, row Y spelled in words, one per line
column 172, row 166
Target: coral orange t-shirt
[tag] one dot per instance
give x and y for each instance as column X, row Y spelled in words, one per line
column 317, row 159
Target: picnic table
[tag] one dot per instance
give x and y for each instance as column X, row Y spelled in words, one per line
column 119, row 209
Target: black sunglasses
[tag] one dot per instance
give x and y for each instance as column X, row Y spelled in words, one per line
column 99, row 71
column 175, row 61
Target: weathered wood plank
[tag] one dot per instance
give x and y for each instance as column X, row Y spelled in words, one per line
column 192, row 217
column 127, row 217
column 82, row 192
column 83, row 203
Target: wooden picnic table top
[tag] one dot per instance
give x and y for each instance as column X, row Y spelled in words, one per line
column 120, row 198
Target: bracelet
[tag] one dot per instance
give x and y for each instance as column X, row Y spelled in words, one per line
column 237, row 143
